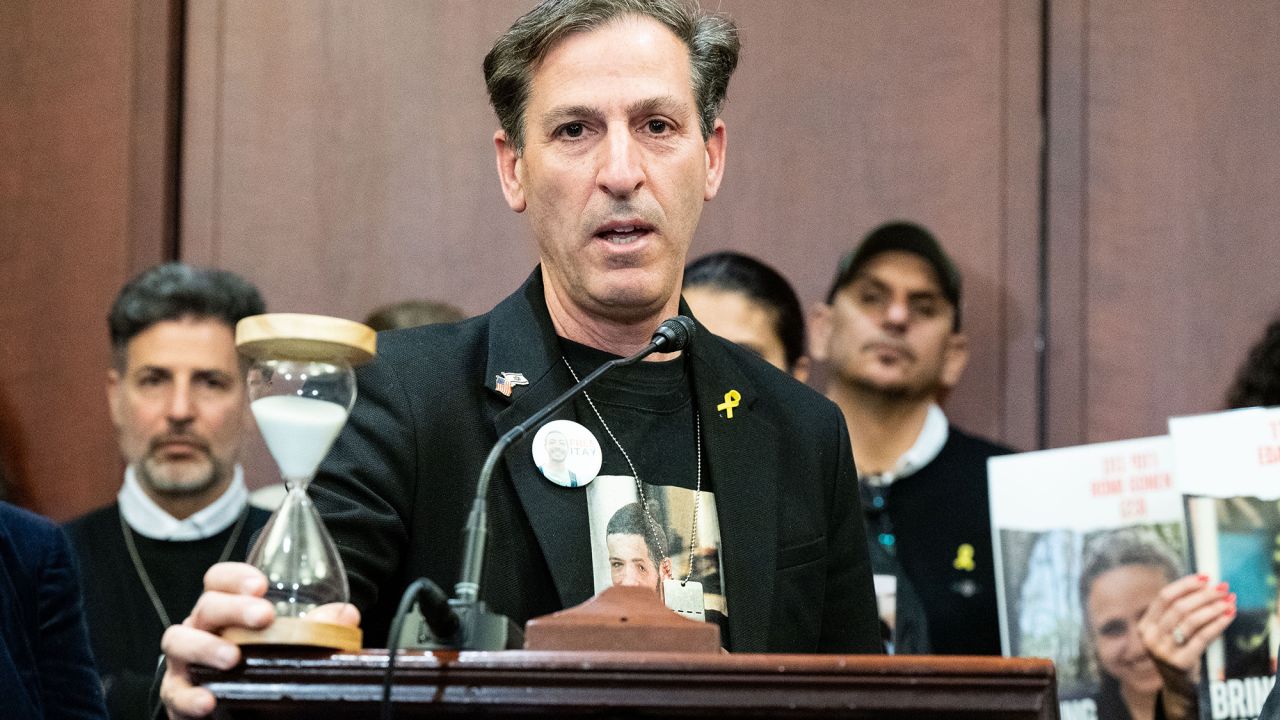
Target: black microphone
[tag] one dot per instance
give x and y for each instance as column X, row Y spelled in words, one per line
column 673, row 335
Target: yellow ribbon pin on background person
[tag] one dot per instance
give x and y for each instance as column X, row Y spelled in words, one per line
column 964, row 558
column 731, row 400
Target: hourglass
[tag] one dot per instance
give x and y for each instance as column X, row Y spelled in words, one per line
column 301, row 387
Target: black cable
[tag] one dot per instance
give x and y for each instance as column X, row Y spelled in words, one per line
column 432, row 600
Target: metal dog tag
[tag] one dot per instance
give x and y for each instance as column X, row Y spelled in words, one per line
column 685, row 599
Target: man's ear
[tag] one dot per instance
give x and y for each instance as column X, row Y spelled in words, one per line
column 115, row 397
column 819, row 331
column 716, row 145
column 954, row 359
column 510, row 166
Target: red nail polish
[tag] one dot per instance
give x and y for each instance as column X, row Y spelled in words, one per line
column 1223, row 587
column 1202, row 578
column 1231, row 611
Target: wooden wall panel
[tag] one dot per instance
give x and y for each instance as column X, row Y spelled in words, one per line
column 1176, row 226
column 1065, row 212
column 86, row 199
column 1018, row 377
column 339, row 155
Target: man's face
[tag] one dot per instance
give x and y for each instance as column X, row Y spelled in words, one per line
column 614, row 170
column 889, row 330
column 557, row 447
column 179, row 406
column 630, row 563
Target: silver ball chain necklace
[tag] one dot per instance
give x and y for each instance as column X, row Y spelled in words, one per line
column 683, row 596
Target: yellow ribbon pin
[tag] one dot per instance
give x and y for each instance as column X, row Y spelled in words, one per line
column 964, row 558
column 731, row 401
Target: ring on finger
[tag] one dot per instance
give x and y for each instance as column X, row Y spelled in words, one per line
column 1179, row 637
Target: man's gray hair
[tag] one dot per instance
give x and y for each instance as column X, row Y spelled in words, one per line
column 712, row 41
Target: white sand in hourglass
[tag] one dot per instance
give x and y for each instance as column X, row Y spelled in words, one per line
column 298, row 431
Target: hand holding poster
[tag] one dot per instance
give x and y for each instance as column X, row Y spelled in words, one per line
column 1084, row 538
column 1228, row 467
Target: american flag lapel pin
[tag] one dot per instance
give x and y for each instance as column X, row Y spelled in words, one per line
column 506, row 382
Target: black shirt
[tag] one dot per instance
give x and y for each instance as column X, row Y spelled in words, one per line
column 124, row 628
column 648, row 408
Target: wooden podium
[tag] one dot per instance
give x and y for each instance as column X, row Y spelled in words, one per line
column 637, row 684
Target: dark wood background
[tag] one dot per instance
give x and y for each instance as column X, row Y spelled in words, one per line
column 1100, row 170
column 88, row 144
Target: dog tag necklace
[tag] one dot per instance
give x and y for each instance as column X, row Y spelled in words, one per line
column 683, row 596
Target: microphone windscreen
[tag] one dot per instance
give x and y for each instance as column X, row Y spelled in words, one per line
column 676, row 333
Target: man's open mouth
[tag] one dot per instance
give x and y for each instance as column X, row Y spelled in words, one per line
column 622, row 233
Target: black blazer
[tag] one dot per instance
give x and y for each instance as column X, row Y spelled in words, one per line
column 396, row 489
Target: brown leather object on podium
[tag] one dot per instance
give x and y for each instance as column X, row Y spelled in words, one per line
column 644, row 684
column 621, row 618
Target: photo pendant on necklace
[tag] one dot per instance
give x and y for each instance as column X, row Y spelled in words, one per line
column 566, row 453
column 686, row 599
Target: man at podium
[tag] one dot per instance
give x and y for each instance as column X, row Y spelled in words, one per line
column 610, row 143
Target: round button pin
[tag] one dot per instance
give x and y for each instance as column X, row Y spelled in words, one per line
column 566, row 453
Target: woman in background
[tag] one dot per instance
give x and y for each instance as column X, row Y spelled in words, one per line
column 749, row 303
column 1257, row 382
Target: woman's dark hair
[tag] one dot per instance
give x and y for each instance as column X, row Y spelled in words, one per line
column 1258, row 380
column 735, row 272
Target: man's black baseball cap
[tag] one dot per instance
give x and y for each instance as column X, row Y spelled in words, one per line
column 906, row 237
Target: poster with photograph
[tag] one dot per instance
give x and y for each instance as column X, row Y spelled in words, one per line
column 647, row 543
column 1228, row 467
column 1084, row 537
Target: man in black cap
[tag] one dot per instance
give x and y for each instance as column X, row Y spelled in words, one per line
column 890, row 336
